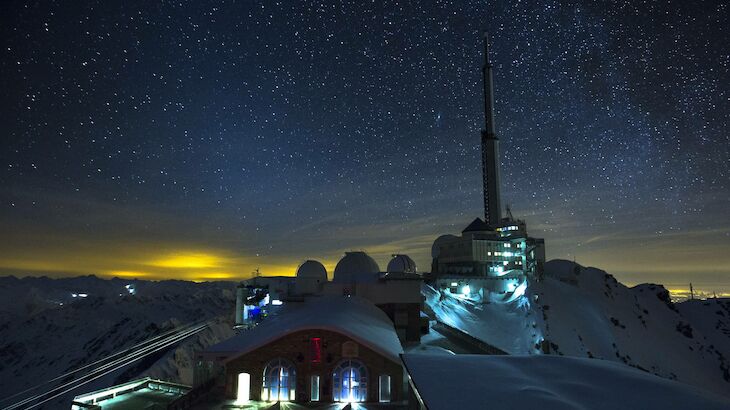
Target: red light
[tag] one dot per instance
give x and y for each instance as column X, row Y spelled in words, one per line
column 315, row 347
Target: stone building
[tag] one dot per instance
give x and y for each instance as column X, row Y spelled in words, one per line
column 324, row 349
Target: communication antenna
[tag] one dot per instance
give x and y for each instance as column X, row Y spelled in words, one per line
column 509, row 213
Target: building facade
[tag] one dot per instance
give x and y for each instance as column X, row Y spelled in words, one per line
column 315, row 365
column 325, row 349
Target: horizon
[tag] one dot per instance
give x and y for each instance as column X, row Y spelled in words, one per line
column 676, row 292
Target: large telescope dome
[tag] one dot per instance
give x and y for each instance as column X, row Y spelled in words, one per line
column 401, row 264
column 313, row 270
column 356, row 267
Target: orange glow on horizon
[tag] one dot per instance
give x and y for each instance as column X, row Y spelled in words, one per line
column 189, row 261
column 127, row 274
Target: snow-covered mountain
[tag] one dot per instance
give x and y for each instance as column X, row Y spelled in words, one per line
column 51, row 326
column 585, row 312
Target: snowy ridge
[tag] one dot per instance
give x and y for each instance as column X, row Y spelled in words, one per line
column 46, row 332
column 585, row 312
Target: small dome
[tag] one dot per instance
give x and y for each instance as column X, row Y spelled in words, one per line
column 312, row 269
column 401, row 264
column 356, row 267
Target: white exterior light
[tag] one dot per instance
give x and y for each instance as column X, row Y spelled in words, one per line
column 244, row 388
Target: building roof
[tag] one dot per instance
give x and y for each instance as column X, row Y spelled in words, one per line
column 477, row 225
column 353, row 317
column 546, row 382
column 136, row 394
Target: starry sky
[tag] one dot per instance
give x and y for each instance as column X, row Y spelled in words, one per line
column 200, row 140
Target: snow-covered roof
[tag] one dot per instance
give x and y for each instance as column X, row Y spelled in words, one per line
column 547, row 382
column 353, row 317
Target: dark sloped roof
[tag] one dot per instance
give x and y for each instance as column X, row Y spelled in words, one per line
column 476, row 226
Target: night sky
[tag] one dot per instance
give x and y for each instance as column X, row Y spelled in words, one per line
column 200, row 140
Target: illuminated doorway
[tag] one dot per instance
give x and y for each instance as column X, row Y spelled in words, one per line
column 244, row 388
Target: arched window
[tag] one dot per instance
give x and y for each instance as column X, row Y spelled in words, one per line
column 280, row 379
column 350, row 382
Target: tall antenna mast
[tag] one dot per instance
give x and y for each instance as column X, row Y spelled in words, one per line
column 490, row 148
column 488, row 89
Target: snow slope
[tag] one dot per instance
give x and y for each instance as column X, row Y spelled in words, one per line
column 547, row 383
column 46, row 332
column 585, row 312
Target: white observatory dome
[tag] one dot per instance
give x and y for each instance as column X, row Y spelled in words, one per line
column 401, row 264
column 436, row 248
column 312, row 270
column 356, row 267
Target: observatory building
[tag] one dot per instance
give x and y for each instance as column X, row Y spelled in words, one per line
column 492, row 258
column 396, row 291
column 309, row 339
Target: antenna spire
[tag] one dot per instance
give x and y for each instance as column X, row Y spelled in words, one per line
column 490, row 148
column 488, row 89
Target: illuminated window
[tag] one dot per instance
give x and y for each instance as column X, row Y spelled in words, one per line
column 350, row 382
column 384, row 388
column 314, row 388
column 279, row 381
column 315, row 349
